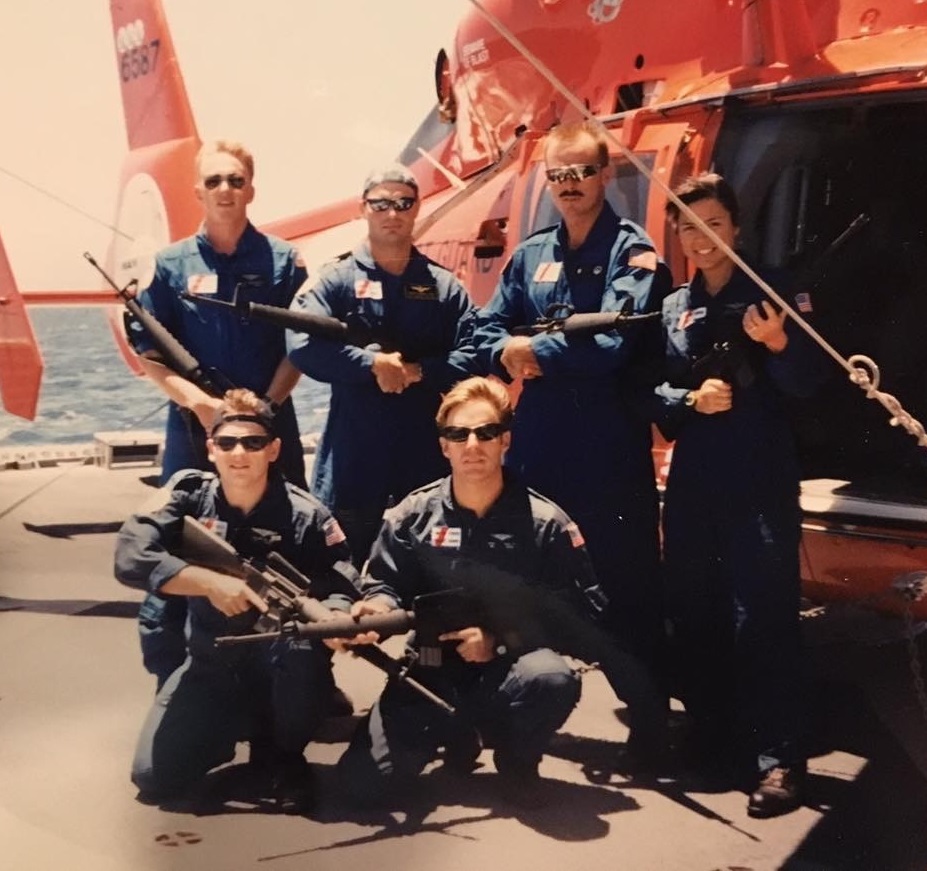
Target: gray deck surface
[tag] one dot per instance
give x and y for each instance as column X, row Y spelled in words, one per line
column 73, row 694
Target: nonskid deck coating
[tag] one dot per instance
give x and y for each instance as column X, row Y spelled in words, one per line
column 73, row 694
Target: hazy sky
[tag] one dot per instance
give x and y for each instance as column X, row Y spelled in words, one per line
column 320, row 91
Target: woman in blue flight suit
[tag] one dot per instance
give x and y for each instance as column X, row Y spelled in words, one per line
column 731, row 519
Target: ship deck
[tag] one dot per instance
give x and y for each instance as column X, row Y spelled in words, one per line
column 73, row 695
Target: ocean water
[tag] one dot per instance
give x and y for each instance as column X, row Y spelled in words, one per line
column 87, row 387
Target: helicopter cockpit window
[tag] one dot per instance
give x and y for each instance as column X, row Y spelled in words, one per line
column 626, row 193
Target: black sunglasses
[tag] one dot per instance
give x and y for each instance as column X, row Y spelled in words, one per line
column 250, row 443
column 384, row 204
column 572, row 172
column 485, row 432
column 211, row 182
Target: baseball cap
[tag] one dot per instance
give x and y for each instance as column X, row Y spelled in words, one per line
column 395, row 172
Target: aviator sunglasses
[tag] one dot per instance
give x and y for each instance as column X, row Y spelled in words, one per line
column 485, row 432
column 384, row 204
column 211, row 182
column 572, row 172
column 250, row 443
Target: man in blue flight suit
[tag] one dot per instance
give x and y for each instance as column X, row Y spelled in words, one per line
column 220, row 696
column 581, row 435
column 228, row 253
column 378, row 441
column 521, row 562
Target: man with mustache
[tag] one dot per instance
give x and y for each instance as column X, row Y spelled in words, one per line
column 581, row 435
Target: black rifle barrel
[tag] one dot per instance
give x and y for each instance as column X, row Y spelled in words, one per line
column 583, row 324
column 390, row 623
column 174, row 355
column 301, row 322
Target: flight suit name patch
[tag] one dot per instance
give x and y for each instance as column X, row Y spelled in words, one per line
column 366, row 289
column 690, row 316
column 203, row 284
column 446, row 536
column 548, row 272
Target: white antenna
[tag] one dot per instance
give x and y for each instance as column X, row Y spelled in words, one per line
column 455, row 180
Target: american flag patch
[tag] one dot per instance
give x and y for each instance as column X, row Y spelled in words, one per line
column 334, row 534
column 576, row 537
column 366, row 289
column 446, row 536
column 803, row 303
column 215, row 526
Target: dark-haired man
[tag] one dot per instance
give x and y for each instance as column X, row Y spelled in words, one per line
column 582, row 434
column 378, row 440
column 277, row 692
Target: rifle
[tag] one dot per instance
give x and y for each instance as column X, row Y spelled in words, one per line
column 728, row 358
column 560, row 317
column 520, row 616
column 171, row 352
column 287, row 593
column 355, row 331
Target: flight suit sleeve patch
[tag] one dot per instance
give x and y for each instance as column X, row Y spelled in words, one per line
column 333, row 532
column 643, row 258
column 576, row 536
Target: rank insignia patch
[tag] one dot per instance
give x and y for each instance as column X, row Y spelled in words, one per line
column 421, row 291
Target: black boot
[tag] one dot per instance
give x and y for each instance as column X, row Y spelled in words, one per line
column 292, row 784
column 780, row 792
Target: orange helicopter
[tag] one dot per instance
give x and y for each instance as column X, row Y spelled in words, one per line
column 815, row 110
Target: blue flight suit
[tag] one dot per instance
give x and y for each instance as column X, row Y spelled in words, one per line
column 246, row 355
column 731, row 519
column 377, row 446
column 532, row 586
column 219, row 696
column 582, row 436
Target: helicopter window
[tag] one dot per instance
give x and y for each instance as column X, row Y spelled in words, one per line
column 626, row 193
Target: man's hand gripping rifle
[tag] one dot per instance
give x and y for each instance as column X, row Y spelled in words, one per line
column 291, row 608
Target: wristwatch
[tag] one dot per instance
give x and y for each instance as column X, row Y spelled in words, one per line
column 691, row 399
column 273, row 406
